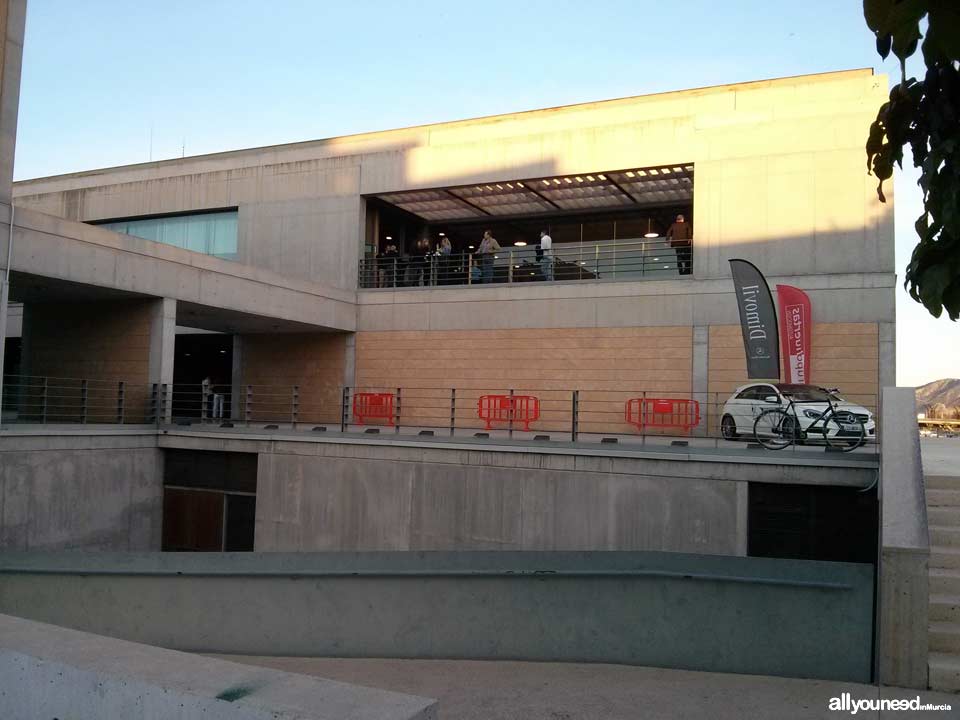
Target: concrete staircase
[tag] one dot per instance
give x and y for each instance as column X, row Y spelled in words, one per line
column 943, row 516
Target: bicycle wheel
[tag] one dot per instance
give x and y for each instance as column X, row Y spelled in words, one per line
column 776, row 429
column 844, row 436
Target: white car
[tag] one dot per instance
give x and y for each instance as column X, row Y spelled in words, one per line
column 810, row 401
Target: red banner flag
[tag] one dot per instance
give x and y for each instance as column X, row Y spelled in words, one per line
column 795, row 324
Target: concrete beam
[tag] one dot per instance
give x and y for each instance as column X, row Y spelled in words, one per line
column 49, row 671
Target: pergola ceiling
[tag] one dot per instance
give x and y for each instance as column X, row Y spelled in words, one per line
column 615, row 190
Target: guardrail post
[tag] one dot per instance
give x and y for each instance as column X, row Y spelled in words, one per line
column 154, row 415
column 510, row 269
column 204, row 394
column 344, row 405
column 164, row 405
column 120, row 389
column 295, row 406
column 83, row 402
column 396, row 427
column 574, row 415
column 248, row 405
column 453, row 410
column 469, row 269
column 510, row 416
column 43, row 403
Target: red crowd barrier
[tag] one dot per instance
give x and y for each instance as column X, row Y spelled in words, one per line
column 662, row 413
column 373, row 405
column 523, row 409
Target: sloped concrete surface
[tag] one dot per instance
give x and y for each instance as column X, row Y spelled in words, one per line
column 475, row 690
column 52, row 672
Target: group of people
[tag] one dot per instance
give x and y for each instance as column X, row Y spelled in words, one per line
column 428, row 265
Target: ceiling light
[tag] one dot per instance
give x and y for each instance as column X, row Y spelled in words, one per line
column 496, row 257
column 520, row 243
column 556, row 181
column 520, row 184
column 499, row 187
column 389, row 237
column 678, row 169
column 510, row 185
column 579, row 179
column 590, row 178
column 469, row 247
column 223, row 352
column 630, row 173
column 489, row 188
column 665, row 171
column 568, row 181
column 651, row 235
column 653, row 171
column 533, row 273
column 443, row 235
column 546, row 182
column 517, row 267
column 642, row 173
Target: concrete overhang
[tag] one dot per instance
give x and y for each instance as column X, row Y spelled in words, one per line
column 57, row 260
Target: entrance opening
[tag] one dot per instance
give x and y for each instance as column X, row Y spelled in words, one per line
column 209, row 501
column 202, row 373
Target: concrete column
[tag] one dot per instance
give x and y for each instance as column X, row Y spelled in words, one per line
column 887, row 370
column 163, row 335
column 13, row 17
column 700, row 371
column 236, row 378
column 350, row 361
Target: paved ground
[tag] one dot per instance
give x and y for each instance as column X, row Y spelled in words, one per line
column 941, row 456
column 475, row 690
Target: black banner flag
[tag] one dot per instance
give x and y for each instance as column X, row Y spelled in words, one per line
column 758, row 321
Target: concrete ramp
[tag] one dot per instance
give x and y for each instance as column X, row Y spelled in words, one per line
column 52, row 672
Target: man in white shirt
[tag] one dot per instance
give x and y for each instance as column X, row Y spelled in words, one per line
column 546, row 259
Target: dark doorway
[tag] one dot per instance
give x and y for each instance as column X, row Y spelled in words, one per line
column 812, row 522
column 199, row 357
column 209, row 501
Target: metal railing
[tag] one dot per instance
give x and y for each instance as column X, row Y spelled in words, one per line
column 633, row 259
column 661, row 416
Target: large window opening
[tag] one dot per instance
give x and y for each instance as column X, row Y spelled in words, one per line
column 623, row 225
column 210, row 233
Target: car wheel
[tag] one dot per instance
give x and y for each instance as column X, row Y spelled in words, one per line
column 728, row 428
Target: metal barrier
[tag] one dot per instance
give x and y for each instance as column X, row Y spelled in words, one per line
column 605, row 413
column 683, row 414
column 626, row 259
column 373, row 405
column 523, row 409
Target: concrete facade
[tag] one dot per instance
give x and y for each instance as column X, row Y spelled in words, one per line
column 779, row 180
column 81, row 492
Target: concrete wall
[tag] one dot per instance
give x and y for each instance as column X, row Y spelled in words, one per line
column 720, row 614
column 905, row 546
column 316, row 363
column 13, row 17
column 48, row 671
column 80, row 492
column 779, row 166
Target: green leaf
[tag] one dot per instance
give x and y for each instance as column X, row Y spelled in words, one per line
column 943, row 31
column 876, row 13
column 883, row 45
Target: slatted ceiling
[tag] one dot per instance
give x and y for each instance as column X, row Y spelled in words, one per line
column 597, row 191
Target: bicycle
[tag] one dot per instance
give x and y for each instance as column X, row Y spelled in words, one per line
column 777, row 428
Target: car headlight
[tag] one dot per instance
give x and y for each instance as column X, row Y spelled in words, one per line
column 812, row 414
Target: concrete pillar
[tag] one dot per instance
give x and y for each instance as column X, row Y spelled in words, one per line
column 13, row 17
column 887, row 370
column 236, row 378
column 350, row 360
column 163, row 335
column 700, row 380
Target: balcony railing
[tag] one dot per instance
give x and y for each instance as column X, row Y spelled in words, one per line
column 626, row 415
column 637, row 259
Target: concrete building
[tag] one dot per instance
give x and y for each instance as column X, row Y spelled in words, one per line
column 286, row 239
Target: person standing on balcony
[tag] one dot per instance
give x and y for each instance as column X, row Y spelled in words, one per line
column 680, row 236
column 388, row 266
column 444, row 251
column 487, row 252
column 546, row 255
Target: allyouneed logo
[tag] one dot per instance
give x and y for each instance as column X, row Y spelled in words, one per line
column 846, row 703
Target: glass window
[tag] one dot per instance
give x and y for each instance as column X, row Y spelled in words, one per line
column 208, row 233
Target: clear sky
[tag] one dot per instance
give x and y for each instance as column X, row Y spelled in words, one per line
column 111, row 82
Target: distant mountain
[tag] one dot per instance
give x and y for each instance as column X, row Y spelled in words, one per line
column 939, row 392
